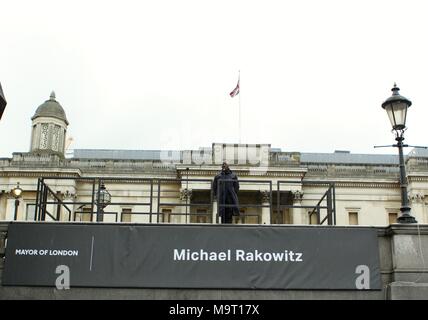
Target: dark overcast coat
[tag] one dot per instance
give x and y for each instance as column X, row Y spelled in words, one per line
column 226, row 185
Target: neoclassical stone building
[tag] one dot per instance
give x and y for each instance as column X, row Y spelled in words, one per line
column 174, row 186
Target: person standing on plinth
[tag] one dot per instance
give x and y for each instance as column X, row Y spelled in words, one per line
column 226, row 187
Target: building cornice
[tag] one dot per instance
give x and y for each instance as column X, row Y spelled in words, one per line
column 256, row 172
column 356, row 184
column 35, row 173
column 414, row 177
column 413, row 229
column 371, row 185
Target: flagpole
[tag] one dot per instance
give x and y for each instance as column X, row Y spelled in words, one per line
column 239, row 117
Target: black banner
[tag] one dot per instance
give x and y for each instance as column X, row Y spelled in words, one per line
column 192, row 256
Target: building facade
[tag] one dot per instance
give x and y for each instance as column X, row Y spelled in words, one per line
column 174, row 186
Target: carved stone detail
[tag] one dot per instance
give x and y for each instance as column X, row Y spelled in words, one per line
column 69, row 195
column 416, row 197
column 265, row 196
column 297, row 195
column 185, row 194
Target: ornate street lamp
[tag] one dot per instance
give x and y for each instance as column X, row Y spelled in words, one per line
column 396, row 107
column 103, row 200
column 16, row 193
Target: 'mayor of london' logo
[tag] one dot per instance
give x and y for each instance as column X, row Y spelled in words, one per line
column 237, row 255
column 46, row 252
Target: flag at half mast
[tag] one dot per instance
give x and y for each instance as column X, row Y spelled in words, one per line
column 235, row 91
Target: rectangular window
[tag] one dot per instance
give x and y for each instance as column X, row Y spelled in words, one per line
column 202, row 216
column 287, row 217
column 313, row 218
column 277, row 217
column 31, row 210
column 242, row 218
column 166, row 215
column 392, row 217
column 254, row 219
column 126, row 215
column 353, row 218
column 248, row 217
column 85, row 215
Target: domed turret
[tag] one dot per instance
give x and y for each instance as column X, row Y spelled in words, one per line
column 49, row 128
column 51, row 108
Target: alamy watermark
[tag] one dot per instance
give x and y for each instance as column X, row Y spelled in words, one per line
column 362, row 282
column 256, row 157
column 62, row 282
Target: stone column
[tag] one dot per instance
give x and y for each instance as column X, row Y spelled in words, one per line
column 214, row 213
column 71, row 197
column 10, row 209
column 265, row 210
column 298, row 215
column 185, row 196
column 3, row 204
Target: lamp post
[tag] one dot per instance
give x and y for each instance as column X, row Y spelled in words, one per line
column 103, row 200
column 396, row 107
column 16, row 193
column 2, row 102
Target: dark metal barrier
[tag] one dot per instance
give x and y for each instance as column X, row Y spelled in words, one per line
column 243, row 215
column 329, row 197
column 44, row 197
column 186, row 196
column 51, row 205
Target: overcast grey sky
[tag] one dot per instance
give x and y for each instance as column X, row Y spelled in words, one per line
column 157, row 74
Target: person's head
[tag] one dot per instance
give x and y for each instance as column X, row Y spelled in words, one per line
column 224, row 166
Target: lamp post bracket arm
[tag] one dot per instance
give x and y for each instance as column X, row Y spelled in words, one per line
column 387, row 146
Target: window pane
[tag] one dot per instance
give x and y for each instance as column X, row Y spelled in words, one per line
column 85, row 215
column 277, row 217
column 313, row 219
column 126, row 215
column 287, row 217
column 166, row 215
column 202, row 216
column 31, row 210
column 353, row 218
column 392, row 216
